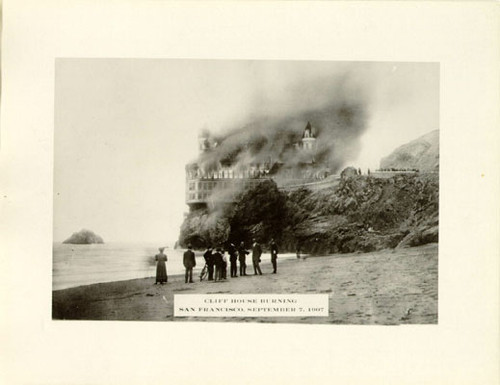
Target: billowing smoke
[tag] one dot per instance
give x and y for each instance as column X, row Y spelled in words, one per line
column 336, row 107
column 269, row 141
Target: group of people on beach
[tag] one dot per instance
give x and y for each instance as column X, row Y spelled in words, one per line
column 216, row 261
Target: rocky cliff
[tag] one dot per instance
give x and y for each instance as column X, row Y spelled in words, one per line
column 362, row 213
column 365, row 213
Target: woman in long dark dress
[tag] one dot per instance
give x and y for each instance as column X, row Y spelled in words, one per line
column 161, row 267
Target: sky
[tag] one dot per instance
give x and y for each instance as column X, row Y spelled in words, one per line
column 125, row 128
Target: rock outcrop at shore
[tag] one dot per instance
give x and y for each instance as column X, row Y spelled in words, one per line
column 362, row 213
column 84, row 237
column 421, row 154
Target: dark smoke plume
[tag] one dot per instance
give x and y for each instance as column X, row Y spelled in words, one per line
column 336, row 107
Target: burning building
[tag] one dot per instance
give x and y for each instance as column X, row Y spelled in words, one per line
column 218, row 176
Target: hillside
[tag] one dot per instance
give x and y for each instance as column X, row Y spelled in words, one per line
column 421, row 154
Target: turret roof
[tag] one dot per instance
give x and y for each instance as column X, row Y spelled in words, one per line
column 308, row 128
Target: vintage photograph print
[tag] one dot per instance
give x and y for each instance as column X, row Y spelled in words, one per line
column 246, row 191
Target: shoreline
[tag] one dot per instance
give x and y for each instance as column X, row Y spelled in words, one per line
column 384, row 287
column 196, row 274
column 87, row 269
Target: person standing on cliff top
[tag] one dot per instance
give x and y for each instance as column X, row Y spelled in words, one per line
column 274, row 256
column 161, row 267
column 189, row 264
column 242, row 253
column 256, row 253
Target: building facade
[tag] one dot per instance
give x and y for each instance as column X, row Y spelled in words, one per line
column 222, row 183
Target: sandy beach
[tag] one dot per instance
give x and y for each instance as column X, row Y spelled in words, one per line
column 386, row 287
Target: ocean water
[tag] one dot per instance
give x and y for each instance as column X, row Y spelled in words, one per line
column 77, row 265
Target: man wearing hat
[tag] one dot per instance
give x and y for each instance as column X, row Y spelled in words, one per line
column 256, row 253
column 209, row 260
column 274, row 255
column 218, row 261
column 233, row 258
column 189, row 264
column 242, row 257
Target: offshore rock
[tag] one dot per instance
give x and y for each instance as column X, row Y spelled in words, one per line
column 84, row 237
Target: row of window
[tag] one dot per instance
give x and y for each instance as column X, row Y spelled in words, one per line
column 197, row 196
column 229, row 174
column 208, row 185
column 203, row 193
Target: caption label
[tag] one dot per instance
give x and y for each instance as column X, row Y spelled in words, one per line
column 251, row 305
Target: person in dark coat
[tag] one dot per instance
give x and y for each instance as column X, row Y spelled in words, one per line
column 209, row 260
column 161, row 267
column 189, row 264
column 218, row 262
column 274, row 256
column 242, row 254
column 233, row 258
column 256, row 253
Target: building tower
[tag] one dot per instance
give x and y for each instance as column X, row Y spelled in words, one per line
column 308, row 139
